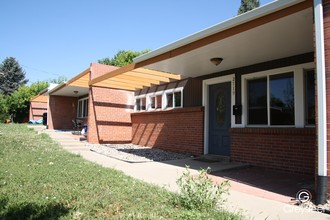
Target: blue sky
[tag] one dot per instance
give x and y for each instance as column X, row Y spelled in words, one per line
column 62, row 37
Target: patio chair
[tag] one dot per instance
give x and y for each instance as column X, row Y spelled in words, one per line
column 77, row 126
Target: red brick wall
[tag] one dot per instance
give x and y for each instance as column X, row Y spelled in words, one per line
column 61, row 111
column 178, row 130
column 286, row 149
column 100, row 69
column 109, row 119
column 37, row 109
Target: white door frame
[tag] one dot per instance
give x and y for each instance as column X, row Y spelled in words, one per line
column 206, row 83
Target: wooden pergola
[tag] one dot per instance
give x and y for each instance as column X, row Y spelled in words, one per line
column 40, row 98
column 131, row 78
column 81, row 80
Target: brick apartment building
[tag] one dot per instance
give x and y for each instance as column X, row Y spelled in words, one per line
column 39, row 104
column 253, row 88
column 105, row 110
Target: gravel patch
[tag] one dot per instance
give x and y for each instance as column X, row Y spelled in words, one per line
column 325, row 208
column 135, row 153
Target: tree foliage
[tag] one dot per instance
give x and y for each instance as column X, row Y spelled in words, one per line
column 58, row 80
column 122, row 58
column 17, row 104
column 12, row 76
column 247, row 5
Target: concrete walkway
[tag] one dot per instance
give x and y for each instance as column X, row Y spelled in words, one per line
column 165, row 174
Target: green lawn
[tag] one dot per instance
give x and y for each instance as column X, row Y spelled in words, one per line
column 39, row 180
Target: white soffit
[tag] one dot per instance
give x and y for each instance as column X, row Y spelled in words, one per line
column 269, row 8
column 69, row 91
column 288, row 36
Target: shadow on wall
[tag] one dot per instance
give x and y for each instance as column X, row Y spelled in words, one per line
column 177, row 130
column 62, row 110
column 109, row 120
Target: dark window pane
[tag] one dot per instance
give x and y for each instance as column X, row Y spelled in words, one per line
column 169, row 97
column 153, row 102
column 310, row 97
column 79, row 109
column 138, row 104
column 143, row 104
column 257, row 102
column 221, row 108
column 177, row 99
column 85, row 108
column 281, row 99
column 159, row 101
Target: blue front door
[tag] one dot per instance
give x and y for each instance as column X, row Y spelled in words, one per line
column 219, row 118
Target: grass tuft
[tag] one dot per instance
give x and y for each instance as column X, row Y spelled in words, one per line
column 39, row 180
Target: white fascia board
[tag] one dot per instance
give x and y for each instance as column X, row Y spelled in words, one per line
column 49, row 88
column 55, row 88
column 52, row 86
column 230, row 23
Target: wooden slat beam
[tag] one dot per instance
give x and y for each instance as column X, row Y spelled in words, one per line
column 85, row 73
column 138, row 79
column 40, row 98
column 130, row 82
column 147, row 76
column 106, row 85
column 111, row 83
column 80, row 84
column 158, row 73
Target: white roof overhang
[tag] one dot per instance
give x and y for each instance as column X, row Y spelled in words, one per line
column 277, row 30
column 75, row 87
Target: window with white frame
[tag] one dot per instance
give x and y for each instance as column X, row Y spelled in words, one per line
column 155, row 102
column 271, row 100
column 161, row 100
column 280, row 97
column 82, row 111
column 174, row 99
column 140, row 104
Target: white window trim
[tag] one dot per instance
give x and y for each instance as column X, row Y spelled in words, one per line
column 140, row 97
column 172, row 91
column 205, row 102
column 82, row 106
column 298, row 74
column 164, row 99
column 150, row 96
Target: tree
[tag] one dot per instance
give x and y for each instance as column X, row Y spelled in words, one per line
column 12, row 76
column 58, row 80
column 17, row 105
column 122, row 58
column 247, row 5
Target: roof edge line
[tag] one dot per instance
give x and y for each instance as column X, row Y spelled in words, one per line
column 227, row 24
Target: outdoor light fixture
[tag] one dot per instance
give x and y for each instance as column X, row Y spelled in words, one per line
column 216, row 60
column 75, row 92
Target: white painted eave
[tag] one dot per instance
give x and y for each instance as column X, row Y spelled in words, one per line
column 230, row 23
column 56, row 88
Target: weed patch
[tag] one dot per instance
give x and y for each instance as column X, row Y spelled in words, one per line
column 199, row 193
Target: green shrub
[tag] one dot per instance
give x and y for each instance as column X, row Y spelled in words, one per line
column 198, row 192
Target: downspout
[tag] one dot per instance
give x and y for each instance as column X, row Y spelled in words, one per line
column 322, row 178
